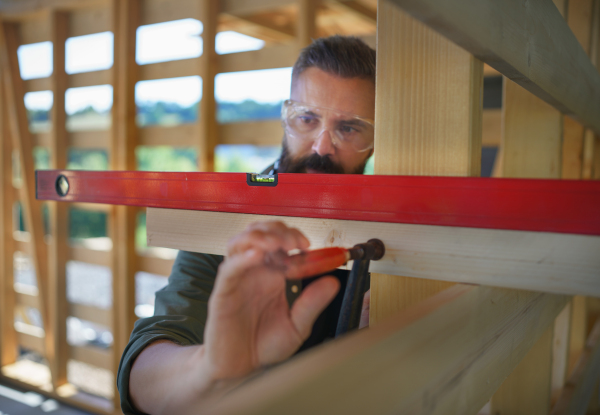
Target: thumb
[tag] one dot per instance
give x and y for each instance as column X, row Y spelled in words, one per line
column 313, row 300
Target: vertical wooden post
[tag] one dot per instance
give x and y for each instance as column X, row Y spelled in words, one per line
column 126, row 14
column 427, row 122
column 307, row 22
column 532, row 135
column 209, row 67
column 8, row 336
column 21, row 140
column 579, row 18
column 57, row 278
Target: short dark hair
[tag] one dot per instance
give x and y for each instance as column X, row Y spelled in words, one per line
column 344, row 56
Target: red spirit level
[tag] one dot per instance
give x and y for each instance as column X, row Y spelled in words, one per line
column 565, row 206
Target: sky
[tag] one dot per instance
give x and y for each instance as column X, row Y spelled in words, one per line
column 160, row 42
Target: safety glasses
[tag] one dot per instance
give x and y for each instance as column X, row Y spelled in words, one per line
column 307, row 123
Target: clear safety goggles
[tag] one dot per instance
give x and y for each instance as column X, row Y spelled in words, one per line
column 307, row 123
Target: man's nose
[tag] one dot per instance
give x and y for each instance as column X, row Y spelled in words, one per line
column 323, row 144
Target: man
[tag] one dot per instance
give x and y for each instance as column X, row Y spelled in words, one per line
column 219, row 319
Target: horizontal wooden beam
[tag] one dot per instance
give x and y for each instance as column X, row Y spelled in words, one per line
column 259, row 133
column 547, row 262
column 448, row 354
column 85, row 312
column 77, row 80
column 529, row 42
column 578, row 390
column 92, row 356
column 277, row 56
column 155, row 265
column 182, row 135
column 169, row 69
column 90, row 20
column 158, row 11
column 92, row 139
column 491, row 135
column 90, row 256
column 31, row 342
column 245, row 7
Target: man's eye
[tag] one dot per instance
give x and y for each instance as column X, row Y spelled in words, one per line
column 347, row 129
column 307, row 119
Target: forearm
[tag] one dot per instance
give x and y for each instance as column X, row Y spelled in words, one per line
column 167, row 377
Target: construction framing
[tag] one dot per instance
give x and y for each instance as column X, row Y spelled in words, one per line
column 433, row 346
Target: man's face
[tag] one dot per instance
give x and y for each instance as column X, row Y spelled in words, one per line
column 320, row 89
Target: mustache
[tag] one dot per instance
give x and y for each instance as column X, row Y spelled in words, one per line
column 322, row 164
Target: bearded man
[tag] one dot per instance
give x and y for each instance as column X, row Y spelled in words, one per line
column 221, row 318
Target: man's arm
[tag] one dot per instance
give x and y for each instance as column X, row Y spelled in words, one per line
column 249, row 325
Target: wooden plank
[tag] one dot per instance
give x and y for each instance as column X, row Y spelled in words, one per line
column 277, row 56
column 183, row 135
column 155, row 265
column 572, row 149
column 532, row 135
column 158, row 11
column 92, row 356
column 547, row 262
column 531, row 144
column 263, row 26
column 101, row 77
column 93, row 139
column 89, row 139
column 38, row 84
column 245, row 7
column 533, row 372
column 491, row 135
column 21, row 140
column 576, row 395
column 428, row 122
column 59, row 213
column 307, row 22
column 8, row 337
column 85, row 312
column 530, row 57
column 90, row 20
column 76, row 80
column 258, row 133
column 446, row 355
column 34, row 30
column 357, row 8
column 94, row 314
column 170, row 69
column 578, row 332
column 588, row 155
column 27, row 299
column 90, row 256
column 31, row 342
column 560, row 351
column 23, row 9
column 207, row 110
column 126, row 18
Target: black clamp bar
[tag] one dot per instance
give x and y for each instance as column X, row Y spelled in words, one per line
column 356, row 286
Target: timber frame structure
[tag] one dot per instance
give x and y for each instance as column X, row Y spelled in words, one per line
column 434, row 346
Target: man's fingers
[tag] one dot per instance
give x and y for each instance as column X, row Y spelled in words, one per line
column 234, row 267
column 268, row 236
column 313, row 300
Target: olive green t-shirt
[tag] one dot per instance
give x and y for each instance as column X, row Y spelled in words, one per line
column 181, row 309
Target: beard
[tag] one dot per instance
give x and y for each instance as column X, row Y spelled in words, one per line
column 321, row 164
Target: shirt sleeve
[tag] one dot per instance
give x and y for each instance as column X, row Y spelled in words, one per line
column 180, row 313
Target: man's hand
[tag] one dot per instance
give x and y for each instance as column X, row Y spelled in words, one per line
column 249, row 321
column 249, row 325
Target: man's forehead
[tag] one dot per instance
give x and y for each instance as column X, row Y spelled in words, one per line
column 321, row 89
